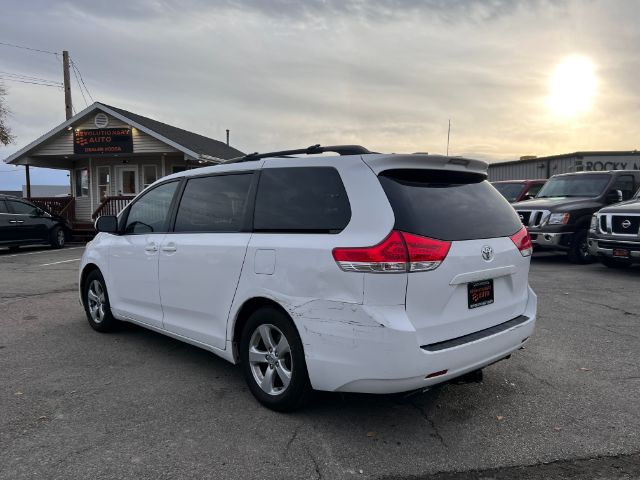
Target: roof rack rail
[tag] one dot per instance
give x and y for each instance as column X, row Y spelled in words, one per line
column 313, row 149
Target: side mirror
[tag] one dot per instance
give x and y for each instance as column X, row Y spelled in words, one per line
column 614, row 196
column 107, row 224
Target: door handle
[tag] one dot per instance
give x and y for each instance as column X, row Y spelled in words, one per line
column 16, row 221
column 152, row 247
column 170, row 247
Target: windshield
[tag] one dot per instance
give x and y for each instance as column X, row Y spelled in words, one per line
column 574, row 186
column 510, row 191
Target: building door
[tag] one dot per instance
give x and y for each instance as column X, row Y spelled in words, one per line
column 127, row 180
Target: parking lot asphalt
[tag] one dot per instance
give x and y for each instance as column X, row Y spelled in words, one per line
column 135, row 404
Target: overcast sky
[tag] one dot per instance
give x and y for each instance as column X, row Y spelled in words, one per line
column 387, row 74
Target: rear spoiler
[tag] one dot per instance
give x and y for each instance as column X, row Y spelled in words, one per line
column 379, row 163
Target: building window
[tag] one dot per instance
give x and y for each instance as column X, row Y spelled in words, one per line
column 82, row 182
column 149, row 175
column 104, row 182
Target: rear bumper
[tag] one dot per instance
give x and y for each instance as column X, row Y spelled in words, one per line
column 386, row 358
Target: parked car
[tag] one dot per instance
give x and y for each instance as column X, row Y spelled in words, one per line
column 614, row 236
column 338, row 273
column 518, row 190
column 559, row 217
column 23, row 223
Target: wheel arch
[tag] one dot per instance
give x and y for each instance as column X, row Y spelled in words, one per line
column 250, row 306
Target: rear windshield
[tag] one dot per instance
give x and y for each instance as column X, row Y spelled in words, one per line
column 448, row 205
column 510, row 191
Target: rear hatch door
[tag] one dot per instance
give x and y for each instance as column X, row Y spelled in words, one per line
column 483, row 281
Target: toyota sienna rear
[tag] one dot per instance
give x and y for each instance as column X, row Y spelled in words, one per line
column 362, row 272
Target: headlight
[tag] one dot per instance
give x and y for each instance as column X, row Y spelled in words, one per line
column 558, row 219
column 594, row 223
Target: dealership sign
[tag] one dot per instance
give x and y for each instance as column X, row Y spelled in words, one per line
column 598, row 166
column 102, row 140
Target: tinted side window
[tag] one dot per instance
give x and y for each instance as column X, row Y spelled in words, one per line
column 150, row 213
column 22, row 208
column 447, row 205
column 534, row 189
column 624, row 183
column 3, row 207
column 214, row 204
column 301, row 199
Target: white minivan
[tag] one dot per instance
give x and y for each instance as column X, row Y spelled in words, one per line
column 358, row 272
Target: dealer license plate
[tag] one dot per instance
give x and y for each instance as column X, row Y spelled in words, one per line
column 621, row 252
column 480, row 293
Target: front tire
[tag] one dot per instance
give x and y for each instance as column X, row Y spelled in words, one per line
column 96, row 303
column 273, row 360
column 58, row 237
column 579, row 249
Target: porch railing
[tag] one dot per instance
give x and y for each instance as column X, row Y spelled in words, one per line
column 63, row 206
column 111, row 206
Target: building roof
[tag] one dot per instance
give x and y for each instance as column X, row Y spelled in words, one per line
column 613, row 153
column 193, row 141
column 191, row 144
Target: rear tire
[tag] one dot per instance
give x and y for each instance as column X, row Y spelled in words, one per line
column 58, row 237
column 613, row 263
column 579, row 249
column 96, row 303
column 272, row 360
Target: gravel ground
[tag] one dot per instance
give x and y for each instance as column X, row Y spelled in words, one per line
column 136, row 404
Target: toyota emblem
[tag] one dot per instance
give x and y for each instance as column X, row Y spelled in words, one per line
column 487, row 253
column 626, row 224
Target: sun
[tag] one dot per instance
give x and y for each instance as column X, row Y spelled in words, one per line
column 572, row 87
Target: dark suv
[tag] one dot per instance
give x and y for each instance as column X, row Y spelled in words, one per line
column 560, row 216
column 23, row 223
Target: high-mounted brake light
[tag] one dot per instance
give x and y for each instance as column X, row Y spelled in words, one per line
column 400, row 252
column 522, row 241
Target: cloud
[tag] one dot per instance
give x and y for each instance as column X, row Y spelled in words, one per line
column 384, row 73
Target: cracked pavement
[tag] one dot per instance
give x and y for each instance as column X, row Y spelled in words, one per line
column 136, row 404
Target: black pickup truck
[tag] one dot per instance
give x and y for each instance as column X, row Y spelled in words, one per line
column 560, row 216
column 614, row 236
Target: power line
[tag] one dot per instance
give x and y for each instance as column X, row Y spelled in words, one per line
column 80, row 87
column 57, row 85
column 77, row 69
column 26, row 77
column 28, row 48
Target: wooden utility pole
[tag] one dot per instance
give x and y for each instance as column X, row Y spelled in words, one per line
column 68, row 106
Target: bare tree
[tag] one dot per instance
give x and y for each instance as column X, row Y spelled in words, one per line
column 5, row 132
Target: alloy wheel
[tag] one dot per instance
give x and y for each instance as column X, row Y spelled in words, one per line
column 96, row 300
column 270, row 359
column 60, row 238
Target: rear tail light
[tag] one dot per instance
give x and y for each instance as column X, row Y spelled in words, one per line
column 400, row 252
column 522, row 241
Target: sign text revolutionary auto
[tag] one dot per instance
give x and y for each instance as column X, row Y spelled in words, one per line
column 102, row 140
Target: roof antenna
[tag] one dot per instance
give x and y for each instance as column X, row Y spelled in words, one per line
column 227, row 137
column 448, row 135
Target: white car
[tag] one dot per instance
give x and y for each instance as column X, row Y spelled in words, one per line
column 360, row 272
